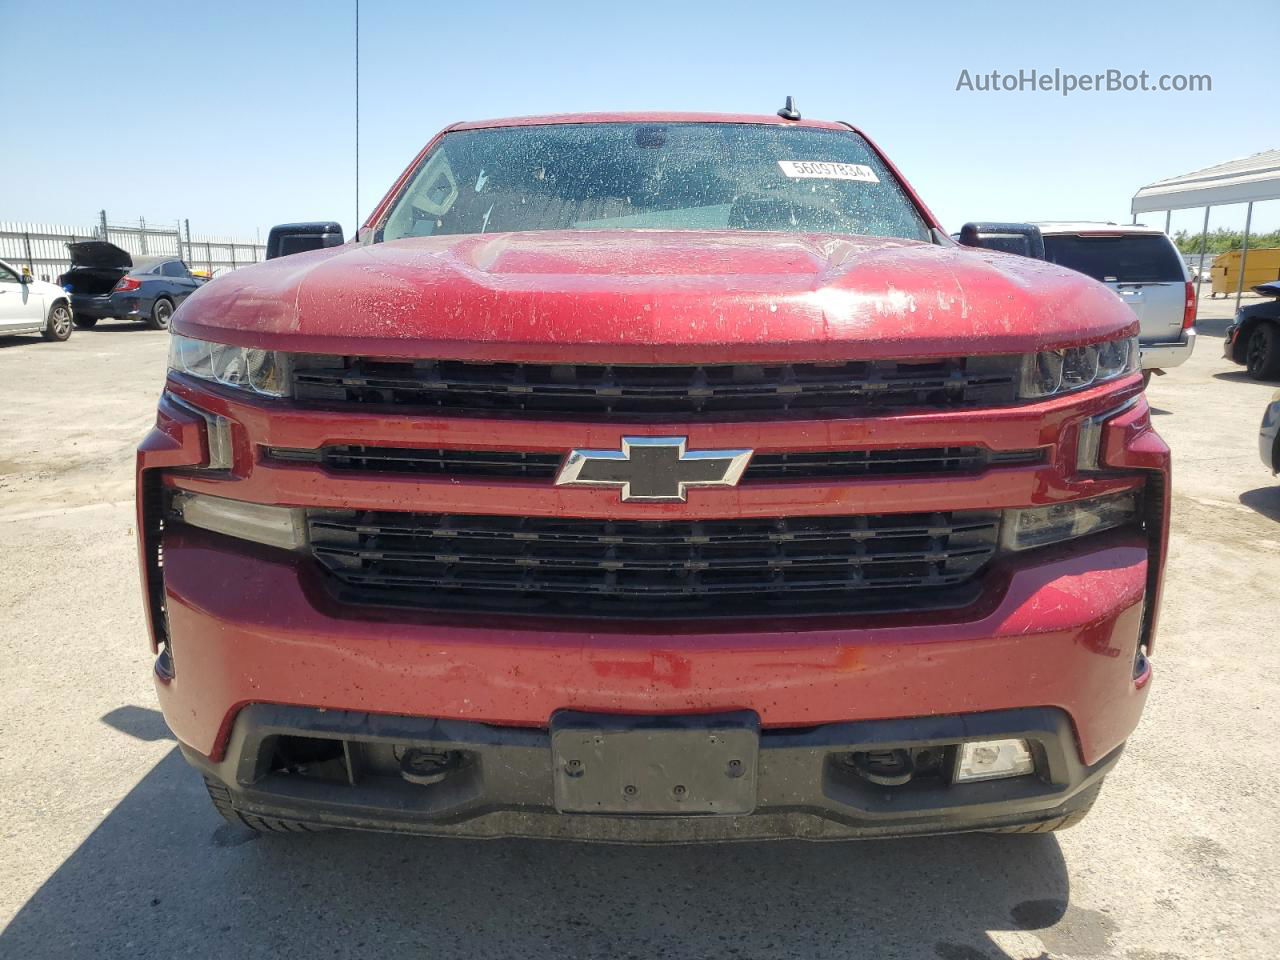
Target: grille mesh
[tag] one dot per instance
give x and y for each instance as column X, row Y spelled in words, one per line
column 655, row 569
column 684, row 392
column 763, row 466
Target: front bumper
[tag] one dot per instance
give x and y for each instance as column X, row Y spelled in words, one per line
column 256, row 625
column 240, row 627
column 1163, row 356
column 504, row 783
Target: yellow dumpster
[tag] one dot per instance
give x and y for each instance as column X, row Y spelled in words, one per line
column 1263, row 266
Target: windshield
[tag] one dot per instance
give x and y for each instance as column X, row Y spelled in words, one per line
column 673, row 176
column 1135, row 258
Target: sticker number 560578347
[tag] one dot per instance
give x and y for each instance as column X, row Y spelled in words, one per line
column 821, row 169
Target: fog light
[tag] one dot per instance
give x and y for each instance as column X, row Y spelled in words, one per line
column 993, row 759
column 260, row 522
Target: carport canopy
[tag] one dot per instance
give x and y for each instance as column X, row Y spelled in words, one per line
column 1247, row 180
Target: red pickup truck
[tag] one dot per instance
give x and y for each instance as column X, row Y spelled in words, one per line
column 652, row 477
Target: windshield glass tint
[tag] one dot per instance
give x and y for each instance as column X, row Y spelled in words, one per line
column 677, row 176
column 1131, row 259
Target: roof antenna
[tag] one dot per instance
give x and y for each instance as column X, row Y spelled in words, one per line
column 789, row 112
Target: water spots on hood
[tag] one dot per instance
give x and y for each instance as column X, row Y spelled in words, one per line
column 655, row 295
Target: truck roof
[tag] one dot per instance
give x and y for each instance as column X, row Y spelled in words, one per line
column 1093, row 226
column 647, row 117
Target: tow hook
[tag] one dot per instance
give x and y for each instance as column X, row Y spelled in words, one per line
column 886, row 768
column 425, row 767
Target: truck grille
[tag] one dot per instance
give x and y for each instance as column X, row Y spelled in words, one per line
column 674, row 392
column 655, row 569
column 763, row 466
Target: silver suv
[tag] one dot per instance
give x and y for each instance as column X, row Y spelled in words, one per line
column 1144, row 268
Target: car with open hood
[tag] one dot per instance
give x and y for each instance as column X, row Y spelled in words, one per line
column 107, row 282
column 652, row 477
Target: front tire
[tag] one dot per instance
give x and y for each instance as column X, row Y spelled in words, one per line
column 1262, row 352
column 86, row 323
column 59, row 325
column 161, row 311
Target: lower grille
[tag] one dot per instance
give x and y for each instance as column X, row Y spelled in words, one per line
column 655, row 569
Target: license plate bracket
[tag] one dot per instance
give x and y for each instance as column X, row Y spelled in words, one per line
column 702, row 765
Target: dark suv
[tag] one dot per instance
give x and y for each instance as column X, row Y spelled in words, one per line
column 106, row 281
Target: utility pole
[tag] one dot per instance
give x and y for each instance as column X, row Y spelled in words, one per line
column 1244, row 252
column 356, row 226
column 1204, row 240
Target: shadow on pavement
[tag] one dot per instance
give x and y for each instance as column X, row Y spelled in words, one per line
column 18, row 340
column 139, row 722
column 164, row 876
column 1265, row 500
column 1213, row 327
column 113, row 326
column 1239, row 375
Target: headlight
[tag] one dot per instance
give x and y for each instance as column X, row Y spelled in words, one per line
column 1059, row 371
column 246, row 368
column 1040, row 526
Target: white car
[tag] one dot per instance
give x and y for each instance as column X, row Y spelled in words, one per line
column 28, row 305
column 1144, row 268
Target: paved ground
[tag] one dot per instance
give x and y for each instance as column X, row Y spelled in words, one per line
column 109, row 847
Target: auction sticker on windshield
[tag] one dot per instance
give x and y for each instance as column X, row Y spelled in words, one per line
column 828, row 171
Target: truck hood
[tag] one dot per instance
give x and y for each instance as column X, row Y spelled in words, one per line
column 642, row 296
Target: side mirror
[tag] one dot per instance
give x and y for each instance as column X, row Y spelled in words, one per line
column 1023, row 239
column 288, row 238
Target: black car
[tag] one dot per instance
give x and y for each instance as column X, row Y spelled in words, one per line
column 105, row 282
column 1254, row 338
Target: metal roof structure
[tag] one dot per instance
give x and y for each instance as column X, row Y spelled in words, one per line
column 1246, row 180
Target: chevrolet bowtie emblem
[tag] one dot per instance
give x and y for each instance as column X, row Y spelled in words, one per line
column 653, row 468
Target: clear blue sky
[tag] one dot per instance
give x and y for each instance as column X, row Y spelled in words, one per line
column 238, row 115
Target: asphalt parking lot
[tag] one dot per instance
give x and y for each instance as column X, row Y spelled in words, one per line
column 110, row 847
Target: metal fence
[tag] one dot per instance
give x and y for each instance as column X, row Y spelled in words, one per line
column 42, row 247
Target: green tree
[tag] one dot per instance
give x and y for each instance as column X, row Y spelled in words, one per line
column 1222, row 240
